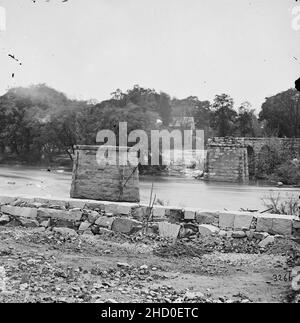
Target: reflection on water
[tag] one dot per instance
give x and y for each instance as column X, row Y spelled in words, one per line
column 173, row 191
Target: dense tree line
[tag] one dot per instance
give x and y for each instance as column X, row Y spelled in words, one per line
column 38, row 123
column 281, row 113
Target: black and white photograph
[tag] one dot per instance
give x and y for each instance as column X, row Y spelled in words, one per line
column 149, row 154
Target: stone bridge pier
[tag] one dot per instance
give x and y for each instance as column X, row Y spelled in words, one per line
column 112, row 180
column 234, row 159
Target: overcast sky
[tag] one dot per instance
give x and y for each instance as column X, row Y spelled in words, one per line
column 88, row 48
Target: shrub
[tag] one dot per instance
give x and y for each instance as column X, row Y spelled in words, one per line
column 278, row 205
column 287, row 173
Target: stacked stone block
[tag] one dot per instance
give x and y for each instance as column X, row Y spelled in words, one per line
column 108, row 182
column 90, row 217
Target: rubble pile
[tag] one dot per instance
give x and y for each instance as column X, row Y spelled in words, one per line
column 200, row 245
column 34, row 269
column 30, row 275
column 201, row 231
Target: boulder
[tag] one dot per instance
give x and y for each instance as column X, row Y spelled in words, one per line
column 159, row 212
column 168, row 230
column 207, row 229
column 4, row 219
column 93, row 216
column 226, row 221
column 189, row 215
column 242, row 221
column 260, row 235
column 239, row 235
column 282, row 226
column 16, row 211
column 275, row 224
column 269, row 240
column 77, row 204
column 264, row 223
column 120, row 208
column 46, row 223
column 126, row 225
column 28, row 223
column 105, row 222
column 84, row 226
column 207, row 217
column 188, row 230
column 123, row 265
column 71, row 216
column 88, row 232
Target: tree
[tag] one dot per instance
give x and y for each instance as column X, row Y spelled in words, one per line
column 247, row 122
column 223, row 116
column 37, row 121
column 185, row 107
column 281, row 114
column 201, row 114
column 165, row 110
column 147, row 99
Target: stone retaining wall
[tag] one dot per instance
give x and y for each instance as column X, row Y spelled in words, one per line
column 90, row 217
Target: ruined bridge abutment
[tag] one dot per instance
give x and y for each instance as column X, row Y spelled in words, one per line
column 235, row 159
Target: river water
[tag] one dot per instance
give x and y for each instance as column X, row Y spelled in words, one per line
column 173, row 191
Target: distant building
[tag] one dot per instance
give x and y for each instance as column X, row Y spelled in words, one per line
column 186, row 123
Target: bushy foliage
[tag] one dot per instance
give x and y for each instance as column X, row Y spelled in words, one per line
column 277, row 204
column 281, row 113
column 288, row 173
column 39, row 123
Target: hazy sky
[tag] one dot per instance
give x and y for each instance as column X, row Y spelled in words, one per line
column 88, row 48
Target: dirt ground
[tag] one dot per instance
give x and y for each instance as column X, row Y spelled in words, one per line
column 41, row 266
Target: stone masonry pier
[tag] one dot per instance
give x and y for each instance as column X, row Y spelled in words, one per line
column 111, row 180
column 235, row 159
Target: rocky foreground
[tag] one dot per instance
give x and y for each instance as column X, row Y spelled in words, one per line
column 47, row 265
